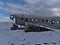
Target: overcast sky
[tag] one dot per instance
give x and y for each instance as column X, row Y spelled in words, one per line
column 35, row 7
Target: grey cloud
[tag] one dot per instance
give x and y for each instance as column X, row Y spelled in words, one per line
column 43, row 7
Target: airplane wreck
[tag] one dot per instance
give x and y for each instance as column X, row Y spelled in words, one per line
column 34, row 23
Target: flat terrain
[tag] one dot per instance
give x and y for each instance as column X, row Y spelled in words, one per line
column 19, row 37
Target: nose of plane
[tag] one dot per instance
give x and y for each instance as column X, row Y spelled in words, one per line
column 11, row 17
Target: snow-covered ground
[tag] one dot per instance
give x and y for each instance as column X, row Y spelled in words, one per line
column 19, row 37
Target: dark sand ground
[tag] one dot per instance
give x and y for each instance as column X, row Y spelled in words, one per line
column 19, row 37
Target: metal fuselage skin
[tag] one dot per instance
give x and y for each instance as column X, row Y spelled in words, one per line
column 47, row 21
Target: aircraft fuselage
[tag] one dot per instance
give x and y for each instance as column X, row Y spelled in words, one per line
column 47, row 21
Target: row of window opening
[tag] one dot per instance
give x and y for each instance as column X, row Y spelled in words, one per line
column 52, row 21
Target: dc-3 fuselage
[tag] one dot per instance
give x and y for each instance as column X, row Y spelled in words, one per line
column 38, row 21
